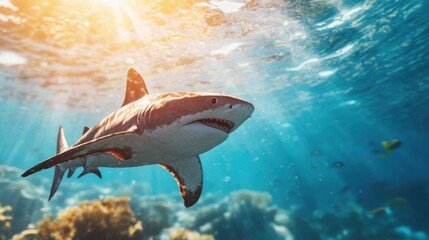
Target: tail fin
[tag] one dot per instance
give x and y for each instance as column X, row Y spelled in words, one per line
column 385, row 155
column 59, row 170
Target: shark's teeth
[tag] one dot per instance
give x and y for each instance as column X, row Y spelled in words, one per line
column 220, row 124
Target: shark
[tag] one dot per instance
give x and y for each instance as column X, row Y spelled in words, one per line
column 169, row 129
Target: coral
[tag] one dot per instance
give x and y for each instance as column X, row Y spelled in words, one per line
column 302, row 229
column 156, row 213
column 5, row 224
column 407, row 200
column 407, row 233
column 238, row 215
column 22, row 196
column 349, row 221
column 185, row 234
column 29, row 234
column 102, row 219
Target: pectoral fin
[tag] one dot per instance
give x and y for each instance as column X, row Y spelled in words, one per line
column 189, row 176
column 118, row 143
column 59, row 171
column 58, row 176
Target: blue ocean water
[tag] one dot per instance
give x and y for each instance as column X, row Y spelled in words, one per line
column 330, row 81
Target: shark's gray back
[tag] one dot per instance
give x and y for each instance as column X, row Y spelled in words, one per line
column 120, row 120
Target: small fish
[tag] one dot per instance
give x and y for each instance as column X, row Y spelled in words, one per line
column 396, row 202
column 315, row 153
column 381, row 211
column 389, row 146
column 344, row 189
column 392, row 144
column 389, row 206
column 338, row 164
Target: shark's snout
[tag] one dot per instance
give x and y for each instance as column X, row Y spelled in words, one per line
column 244, row 108
column 239, row 113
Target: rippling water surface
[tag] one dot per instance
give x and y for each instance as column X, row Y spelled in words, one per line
column 330, row 80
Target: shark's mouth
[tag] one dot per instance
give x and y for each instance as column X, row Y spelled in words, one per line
column 223, row 125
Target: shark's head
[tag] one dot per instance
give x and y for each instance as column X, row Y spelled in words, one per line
column 192, row 123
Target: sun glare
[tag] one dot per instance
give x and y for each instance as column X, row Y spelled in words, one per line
column 112, row 3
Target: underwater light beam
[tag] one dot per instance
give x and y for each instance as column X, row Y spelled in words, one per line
column 112, row 3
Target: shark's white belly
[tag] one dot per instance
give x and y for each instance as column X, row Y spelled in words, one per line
column 145, row 151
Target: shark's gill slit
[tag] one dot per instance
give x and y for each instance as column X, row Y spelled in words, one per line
column 118, row 154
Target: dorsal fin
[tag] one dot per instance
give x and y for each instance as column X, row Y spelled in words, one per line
column 85, row 129
column 61, row 141
column 136, row 87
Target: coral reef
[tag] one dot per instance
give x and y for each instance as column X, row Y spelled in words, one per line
column 185, row 234
column 349, row 221
column 29, row 234
column 237, row 215
column 407, row 200
column 5, row 224
column 103, row 219
column 156, row 213
column 240, row 215
column 22, row 196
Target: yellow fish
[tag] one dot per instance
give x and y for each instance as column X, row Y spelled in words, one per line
column 388, row 207
column 397, row 202
column 389, row 146
column 381, row 211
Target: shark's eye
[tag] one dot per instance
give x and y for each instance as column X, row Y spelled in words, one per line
column 214, row 101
